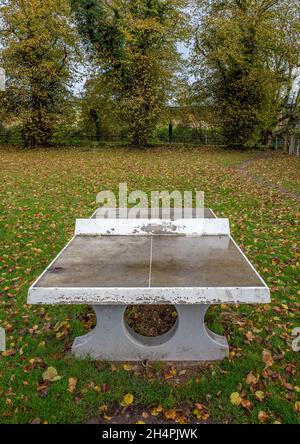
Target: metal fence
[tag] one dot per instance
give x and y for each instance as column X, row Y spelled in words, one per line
column 14, row 136
column 185, row 136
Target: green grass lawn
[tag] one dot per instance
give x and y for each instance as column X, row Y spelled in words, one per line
column 44, row 191
column 282, row 171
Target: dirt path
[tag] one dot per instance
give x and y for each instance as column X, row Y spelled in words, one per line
column 242, row 169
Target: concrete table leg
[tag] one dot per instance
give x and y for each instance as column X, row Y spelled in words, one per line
column 113, row 340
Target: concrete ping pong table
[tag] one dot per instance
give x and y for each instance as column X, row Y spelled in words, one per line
column 112, row 263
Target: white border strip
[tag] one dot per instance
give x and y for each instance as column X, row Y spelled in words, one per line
column 146, row 227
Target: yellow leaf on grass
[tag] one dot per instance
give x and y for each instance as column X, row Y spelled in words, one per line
column 156, row 410
column 201, row 412
column 72, row 385
column 128, row 367
column 127, row 399
column 51, row 375
column 107, row 418
column 297, row 406
column 235, row 398
column 103, row 408
column 198, row 414
column 171, row 373
column 182, row 420
column 260, row 395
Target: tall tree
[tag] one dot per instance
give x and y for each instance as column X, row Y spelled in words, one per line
column 38, row 41
column 135, row 45
column 246, row 59
column 99, row 109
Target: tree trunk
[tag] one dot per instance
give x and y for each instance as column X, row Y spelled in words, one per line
column 292, row 149
column 285, row 143
column 95, row 117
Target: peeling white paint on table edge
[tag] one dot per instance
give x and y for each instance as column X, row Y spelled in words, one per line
column 156, row 296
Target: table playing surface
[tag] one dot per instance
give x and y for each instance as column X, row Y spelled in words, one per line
column 151, row 261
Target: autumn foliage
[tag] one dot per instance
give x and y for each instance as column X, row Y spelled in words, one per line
column 38, row 51
column 240, row 79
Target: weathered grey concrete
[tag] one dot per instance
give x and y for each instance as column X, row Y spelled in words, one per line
column 125, row 261
column 188, row 340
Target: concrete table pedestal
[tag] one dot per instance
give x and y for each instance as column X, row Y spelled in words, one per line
column 188, row 340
